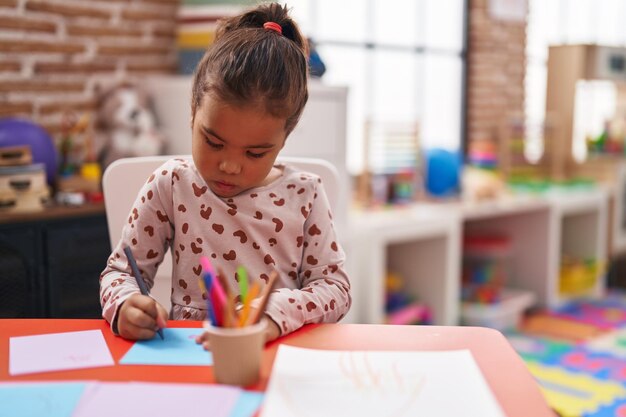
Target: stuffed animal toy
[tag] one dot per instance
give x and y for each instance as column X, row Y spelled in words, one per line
column 480, row 184
column 125, row 125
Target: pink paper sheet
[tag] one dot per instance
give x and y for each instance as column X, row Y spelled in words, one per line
column 156, row 399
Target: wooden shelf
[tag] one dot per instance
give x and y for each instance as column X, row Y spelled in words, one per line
column 52, row 212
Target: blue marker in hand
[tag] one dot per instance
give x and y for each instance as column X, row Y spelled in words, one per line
column 138, row 277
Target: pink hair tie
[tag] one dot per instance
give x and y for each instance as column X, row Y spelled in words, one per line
column 273, row 26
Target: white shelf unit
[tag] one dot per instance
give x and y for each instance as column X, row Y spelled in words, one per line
column 578, row 228
column 609, row 171
column 422, row 245
column 542, row 229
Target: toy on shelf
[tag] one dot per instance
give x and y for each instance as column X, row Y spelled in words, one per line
column 481, row 178
column 24, row 133
column 401, row 308
column 578, row 276
column 23, row 188
column 125, row 125
column 381, row 190
column 443, row 172
column 482, row 184
column 404, row 186
column 24, row 147
column 611, row 140
column 74, row 144
column 317, row 68
column 15, row 155
column 485, row 267
column 483, row 154
column 392, row 168
column 486, row 270
column 530, row 159
column 526, row 151
column 79, row 172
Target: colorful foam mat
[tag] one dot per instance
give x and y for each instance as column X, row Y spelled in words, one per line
column 577, row 353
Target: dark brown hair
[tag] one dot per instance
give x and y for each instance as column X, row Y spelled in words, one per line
column 248, row 65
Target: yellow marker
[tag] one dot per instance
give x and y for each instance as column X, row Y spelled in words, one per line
column 245, row 312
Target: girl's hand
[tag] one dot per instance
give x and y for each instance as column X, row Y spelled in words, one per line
column 140, row 317
column 203, row 339
column 272, row 332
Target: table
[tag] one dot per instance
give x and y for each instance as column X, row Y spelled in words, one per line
column 505, row 372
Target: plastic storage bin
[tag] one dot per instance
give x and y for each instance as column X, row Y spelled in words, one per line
column 502, row 315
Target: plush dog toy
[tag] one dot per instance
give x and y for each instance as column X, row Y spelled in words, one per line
column 125, row 125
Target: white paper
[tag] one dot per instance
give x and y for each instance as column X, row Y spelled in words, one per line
column 327, row 383
column 58, row 351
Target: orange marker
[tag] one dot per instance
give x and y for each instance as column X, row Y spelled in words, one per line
column 257, row 313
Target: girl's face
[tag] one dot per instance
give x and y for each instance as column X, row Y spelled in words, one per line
column 234, row 148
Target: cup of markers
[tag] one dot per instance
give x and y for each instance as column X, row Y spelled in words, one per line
column 237, row 353
column 236, row 337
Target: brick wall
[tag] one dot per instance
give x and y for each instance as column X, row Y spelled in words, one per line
column 496, row 69
column 53, row 53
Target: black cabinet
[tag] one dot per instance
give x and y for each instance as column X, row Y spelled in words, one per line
column 50, row 263
column 21, row 290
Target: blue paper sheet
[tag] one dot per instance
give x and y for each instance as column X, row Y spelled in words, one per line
column 177, row 348
column 60, row 399
column 247, row 404
column 40, row 399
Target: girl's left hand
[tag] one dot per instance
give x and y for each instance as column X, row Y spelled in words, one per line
column 203, row 339
column 272, row 332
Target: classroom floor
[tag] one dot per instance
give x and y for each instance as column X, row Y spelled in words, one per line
column 578, row 355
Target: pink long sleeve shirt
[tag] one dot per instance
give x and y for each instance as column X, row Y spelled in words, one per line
column 286, row 225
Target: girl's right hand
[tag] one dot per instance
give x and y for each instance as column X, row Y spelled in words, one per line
column 140, row 317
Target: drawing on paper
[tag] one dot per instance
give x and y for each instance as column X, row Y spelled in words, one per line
column 331, row 383
column 368, row 387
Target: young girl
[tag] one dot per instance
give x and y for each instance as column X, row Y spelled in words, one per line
column 232, row 203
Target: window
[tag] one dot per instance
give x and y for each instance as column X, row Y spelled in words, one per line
column 403, row 61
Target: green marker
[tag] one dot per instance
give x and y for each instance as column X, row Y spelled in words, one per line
column 243, row 282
